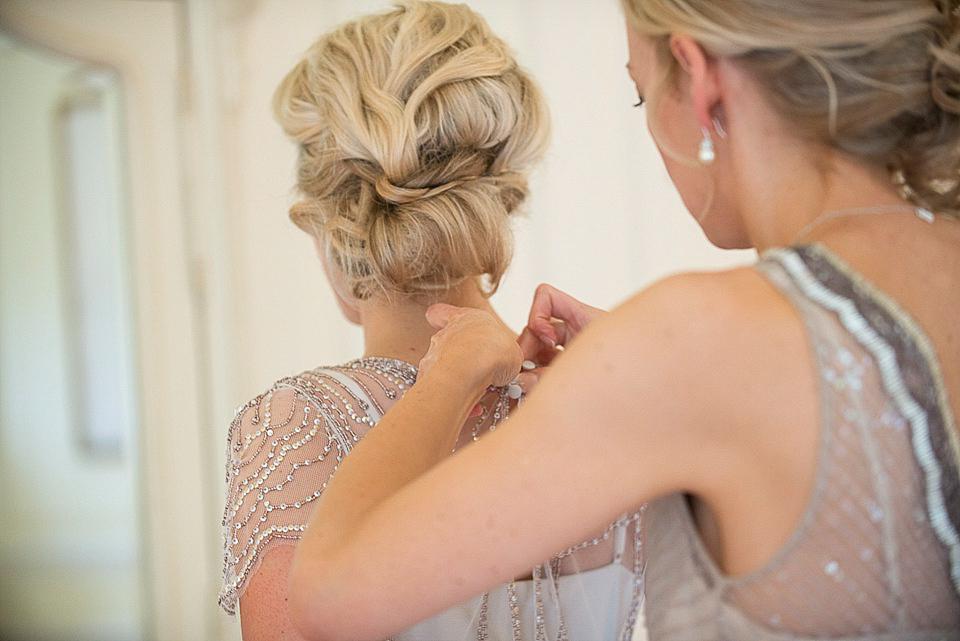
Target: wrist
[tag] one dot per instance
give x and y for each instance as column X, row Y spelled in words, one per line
column 460, row 378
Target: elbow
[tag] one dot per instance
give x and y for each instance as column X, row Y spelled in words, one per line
column 308, row 597
column 320, row 606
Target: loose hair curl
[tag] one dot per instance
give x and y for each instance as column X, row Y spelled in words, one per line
column 416, row 129
column 879, row 79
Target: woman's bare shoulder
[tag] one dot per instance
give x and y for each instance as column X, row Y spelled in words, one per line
column 698, row 318
column 698, row 362
column 735, row 293
column 706, row 317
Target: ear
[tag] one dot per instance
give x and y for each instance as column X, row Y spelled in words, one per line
column 348, row 304
column 703, row 73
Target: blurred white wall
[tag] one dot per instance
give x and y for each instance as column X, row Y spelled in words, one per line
column 228, row 294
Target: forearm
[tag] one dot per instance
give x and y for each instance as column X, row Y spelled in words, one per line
column 419, row 431
column 341, row 558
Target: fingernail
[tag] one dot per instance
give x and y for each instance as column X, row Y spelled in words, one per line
column 528, row 365
column 514, row 391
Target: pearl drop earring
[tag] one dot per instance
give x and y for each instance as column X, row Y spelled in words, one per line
column 706, row 153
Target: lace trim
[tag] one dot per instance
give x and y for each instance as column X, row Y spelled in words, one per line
column 888, row 334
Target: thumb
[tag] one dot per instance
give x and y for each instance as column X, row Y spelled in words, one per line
column 440, row 314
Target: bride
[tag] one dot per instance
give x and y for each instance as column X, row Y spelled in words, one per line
column 416, row 129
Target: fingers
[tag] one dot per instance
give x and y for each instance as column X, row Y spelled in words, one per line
column 544, row 308
column 556, row 317
column 550, row 304
column 537, row 353
column 529, row 379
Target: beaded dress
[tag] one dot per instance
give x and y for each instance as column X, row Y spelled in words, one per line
column 877, row 554
column 286, row 444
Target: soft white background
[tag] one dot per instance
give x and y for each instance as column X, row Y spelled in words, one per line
column 228, row 295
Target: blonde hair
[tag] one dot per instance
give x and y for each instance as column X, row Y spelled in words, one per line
column 416, row 129
column 879, row 79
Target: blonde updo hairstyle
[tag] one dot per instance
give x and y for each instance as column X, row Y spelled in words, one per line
column 879, row 79
column 416, row 129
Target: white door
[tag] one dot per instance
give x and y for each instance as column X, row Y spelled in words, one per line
column 106, row 518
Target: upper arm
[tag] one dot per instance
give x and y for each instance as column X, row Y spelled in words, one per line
column 264, row 610
column 279, row 459
column 643, row 403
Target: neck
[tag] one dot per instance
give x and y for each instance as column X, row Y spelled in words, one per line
column 397, row 328
column 780, row 182
column 846, row 187
column 826, row 217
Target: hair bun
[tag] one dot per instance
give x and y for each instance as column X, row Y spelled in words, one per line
column 417, row 128
column 399, row 195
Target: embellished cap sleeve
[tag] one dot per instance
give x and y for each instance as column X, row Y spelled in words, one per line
column 283, row 447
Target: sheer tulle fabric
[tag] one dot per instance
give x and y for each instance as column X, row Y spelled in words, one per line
column 866, row 562
column 286, row 444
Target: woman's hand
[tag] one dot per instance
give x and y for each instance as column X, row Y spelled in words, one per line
column 555, row 319
column 472, row 344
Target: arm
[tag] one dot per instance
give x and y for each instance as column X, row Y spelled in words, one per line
column 264, row 612
column 430, row 415
column 670, row 356
column 263, row 471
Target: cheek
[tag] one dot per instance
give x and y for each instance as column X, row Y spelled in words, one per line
column 691, row 183
column 688, row 178
column 673, row 128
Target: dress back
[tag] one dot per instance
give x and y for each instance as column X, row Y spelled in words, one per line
column 877, row 553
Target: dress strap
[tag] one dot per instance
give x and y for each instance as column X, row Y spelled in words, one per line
column 910, row 372
column 348, row 382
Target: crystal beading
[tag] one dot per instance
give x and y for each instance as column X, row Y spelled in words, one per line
column 285, row 445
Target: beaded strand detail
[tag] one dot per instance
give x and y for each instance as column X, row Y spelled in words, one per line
column 324, row 412
column 285, row 445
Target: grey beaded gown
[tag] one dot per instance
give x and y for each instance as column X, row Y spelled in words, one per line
column 285, row 445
